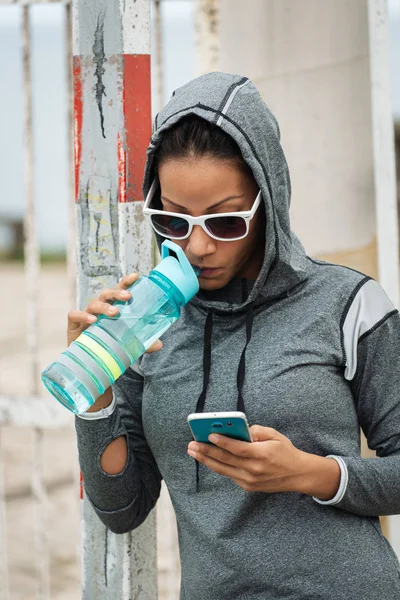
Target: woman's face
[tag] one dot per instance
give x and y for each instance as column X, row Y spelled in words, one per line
column 193, row 186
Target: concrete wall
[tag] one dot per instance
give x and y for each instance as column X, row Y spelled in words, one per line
column 315, row 78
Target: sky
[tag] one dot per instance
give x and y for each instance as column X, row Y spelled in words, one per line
column 50, row 109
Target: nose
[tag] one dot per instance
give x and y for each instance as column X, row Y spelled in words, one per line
column 200, row 244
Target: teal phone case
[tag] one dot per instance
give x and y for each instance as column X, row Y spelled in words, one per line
column 202, row 428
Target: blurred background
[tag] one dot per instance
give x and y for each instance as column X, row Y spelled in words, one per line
column 311, row 60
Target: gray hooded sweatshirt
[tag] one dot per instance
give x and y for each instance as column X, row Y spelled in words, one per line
column 311, row 349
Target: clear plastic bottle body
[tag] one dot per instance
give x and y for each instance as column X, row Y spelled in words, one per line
column 145, row 317
column 90, row 365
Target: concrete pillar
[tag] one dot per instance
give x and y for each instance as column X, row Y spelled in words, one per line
column 310, row 61
column 207, row 39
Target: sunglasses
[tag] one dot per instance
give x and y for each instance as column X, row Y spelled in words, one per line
column 224, row 227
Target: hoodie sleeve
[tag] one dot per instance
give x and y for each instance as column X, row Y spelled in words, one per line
column 371, row 340
column 124, row 500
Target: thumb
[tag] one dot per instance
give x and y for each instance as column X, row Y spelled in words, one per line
column 261, row 434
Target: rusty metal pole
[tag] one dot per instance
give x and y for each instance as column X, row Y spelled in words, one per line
column 112, row 112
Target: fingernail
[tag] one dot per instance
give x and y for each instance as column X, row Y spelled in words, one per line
column 125, row 293
column 213, row 438
column 194, row 447
column 112, row 309
column 92, row 318
column 191, row 453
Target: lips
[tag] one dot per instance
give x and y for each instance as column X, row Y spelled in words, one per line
column 203, row 268
column 209, row 272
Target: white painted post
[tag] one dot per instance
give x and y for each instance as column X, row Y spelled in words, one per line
column 383, row 150
column 32, row 268
column 111, row 47
column 158, row 55
column 31, row 249
column 384, row 173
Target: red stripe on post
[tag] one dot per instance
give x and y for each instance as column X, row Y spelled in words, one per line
column 137, row 112
column 78, row 111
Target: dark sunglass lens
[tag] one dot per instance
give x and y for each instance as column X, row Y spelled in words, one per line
column 169, row 226
column 227, row 228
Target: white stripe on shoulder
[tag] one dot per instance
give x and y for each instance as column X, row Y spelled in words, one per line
column 230, row 100
column 369, row 306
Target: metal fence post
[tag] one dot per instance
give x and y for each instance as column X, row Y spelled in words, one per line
column 112, row 112
column 32, row 269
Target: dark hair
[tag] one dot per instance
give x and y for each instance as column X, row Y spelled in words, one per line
column 193, row 136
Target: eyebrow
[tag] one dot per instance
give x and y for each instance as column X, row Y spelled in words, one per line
column 210, row 207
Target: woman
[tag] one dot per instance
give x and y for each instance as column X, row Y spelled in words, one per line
column 308, row 350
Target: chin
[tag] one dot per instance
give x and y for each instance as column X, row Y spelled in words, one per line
column 212, row 284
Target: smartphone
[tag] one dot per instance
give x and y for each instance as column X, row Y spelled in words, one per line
column 231, row 424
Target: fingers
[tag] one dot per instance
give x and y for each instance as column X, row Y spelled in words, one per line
column 127, row 280
column 80, row 320
column 219, row 467
column 262, row 434
column 236, row 447
column 112, row 294
column 217, row 454
column 97, row 307
column 155, row 347
column 119, row 292
column 77, row 318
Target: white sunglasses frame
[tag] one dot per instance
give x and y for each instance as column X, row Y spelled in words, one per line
column 246, row 215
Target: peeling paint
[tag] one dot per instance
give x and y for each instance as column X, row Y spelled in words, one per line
column 121, row 170
column 78, row 108
column 98, row 231
column 99, row 60
column 97, row 218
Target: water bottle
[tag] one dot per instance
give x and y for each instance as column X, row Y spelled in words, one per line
column 104, row 351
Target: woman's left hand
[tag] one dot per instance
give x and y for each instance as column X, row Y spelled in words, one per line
column 270, row 464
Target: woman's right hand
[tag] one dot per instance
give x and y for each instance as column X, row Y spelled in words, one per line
column 79, row 320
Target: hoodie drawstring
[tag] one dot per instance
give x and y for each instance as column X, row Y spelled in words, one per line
column 242, row 363
column 206, row 361
column 206, row 375
column 207, row 368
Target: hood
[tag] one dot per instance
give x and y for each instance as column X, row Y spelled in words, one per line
column 233, row 103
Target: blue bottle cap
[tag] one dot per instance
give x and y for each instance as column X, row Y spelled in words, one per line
column 178, row 270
